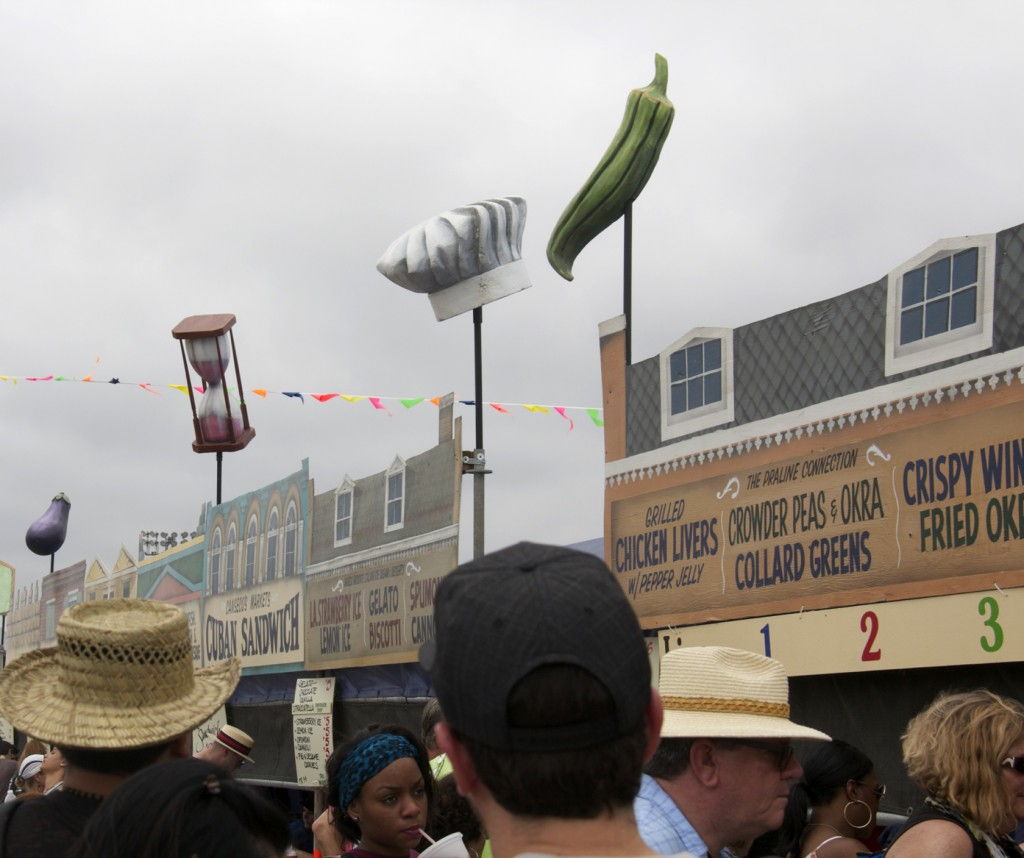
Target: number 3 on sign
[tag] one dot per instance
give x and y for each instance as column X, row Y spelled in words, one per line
column 869, row 624
column 990, row 606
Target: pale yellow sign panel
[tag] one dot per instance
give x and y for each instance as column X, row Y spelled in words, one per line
column 261, row 625
column 969, row 628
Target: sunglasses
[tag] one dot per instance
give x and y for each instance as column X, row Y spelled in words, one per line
column 879, row 790
column 783, row 753
column 1015, row 763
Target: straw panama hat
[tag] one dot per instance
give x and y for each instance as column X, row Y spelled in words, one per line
column 721, row 692
column 236, row 741
column 121, row 676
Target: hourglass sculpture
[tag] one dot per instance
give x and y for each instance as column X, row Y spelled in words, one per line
column 208, row 344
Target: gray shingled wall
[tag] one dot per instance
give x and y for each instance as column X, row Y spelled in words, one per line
column 819, row 352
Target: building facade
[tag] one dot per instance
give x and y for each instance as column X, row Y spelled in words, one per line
column 839, row 486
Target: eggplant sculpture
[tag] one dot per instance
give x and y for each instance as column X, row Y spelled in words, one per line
column 46, row 535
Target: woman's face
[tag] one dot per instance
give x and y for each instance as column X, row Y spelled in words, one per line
column 1013, row 782
column 391, row 808
column 869, row 791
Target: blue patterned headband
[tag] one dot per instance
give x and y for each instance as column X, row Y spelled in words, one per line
column 368, row 758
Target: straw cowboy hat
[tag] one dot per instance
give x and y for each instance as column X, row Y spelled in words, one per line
column 121, row 676
column 721, row 692
column 235, row 740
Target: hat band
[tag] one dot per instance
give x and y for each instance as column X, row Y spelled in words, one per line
column 232, row 744
column 720, row 704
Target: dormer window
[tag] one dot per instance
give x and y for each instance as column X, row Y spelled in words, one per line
column 394, row 504
column 940, row 304
column 696, row 382
column 343, row 506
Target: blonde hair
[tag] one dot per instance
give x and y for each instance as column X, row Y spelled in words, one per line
column 953, row 748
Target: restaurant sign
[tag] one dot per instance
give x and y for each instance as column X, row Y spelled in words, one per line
column 260, row 625
column 940, row 500
column 376, row 612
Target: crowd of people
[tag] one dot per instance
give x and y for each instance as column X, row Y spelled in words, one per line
column 546, row 738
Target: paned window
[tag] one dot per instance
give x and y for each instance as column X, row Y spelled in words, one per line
column 695, row 376
column 940, row 296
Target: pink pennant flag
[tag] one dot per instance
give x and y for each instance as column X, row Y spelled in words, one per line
column 323, row 397
column 561, row 410
column 500, row 408
column 43, row 378
column 148, row 387
column 376, row 403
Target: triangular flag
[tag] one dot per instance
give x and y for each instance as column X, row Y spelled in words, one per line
column 467, row 402
column 180, row 387
column 323, row 397
column 375, row 402
column 260, row 391
column 540, row 409
column 594, row 415
column 44, row 378
column 561, row 410
column 436, row 400
column 409, row 403
column 352, row 398
column 148, row 387
column 498, row 407
column 294, row 395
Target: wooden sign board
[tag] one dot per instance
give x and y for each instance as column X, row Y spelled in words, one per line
column 377, row 612
column 260, row 625
column 968, row 628
column 940, row 500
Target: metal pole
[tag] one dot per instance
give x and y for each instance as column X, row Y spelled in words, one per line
column 478, row 476
column 220, row 460
column 627, row 279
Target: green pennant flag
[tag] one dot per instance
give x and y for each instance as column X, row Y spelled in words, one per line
column 595, row 416
column 409, row 403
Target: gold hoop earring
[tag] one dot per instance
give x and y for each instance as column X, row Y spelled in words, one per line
column 867, row 821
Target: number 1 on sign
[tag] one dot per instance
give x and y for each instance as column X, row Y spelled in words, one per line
column 766, row 633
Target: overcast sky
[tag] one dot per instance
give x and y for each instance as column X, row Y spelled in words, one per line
column 159, row 160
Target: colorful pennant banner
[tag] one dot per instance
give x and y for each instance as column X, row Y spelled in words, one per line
column 595, row 414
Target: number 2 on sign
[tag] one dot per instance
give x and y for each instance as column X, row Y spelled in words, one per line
column 869, row 624
column 991, row 606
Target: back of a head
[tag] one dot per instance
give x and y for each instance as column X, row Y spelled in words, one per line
column 429, row 719
column 552, row 711
column 951, row 749
column 183, row 808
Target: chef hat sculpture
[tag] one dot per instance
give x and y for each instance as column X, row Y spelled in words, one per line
column 463, row 258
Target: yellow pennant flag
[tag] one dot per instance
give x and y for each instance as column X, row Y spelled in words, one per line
column 538, row 408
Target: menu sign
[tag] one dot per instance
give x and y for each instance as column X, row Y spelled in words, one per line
column 935, row 501
column 312, row 729
column 377, row 612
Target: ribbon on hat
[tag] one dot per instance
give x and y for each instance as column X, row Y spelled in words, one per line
column 719, row 704
column 368, row 758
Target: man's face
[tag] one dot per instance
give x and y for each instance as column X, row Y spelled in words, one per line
column 230, row 760
column 756, row 779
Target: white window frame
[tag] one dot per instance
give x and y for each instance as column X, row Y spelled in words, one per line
column 949, row 344
column 229, row 558
column 291, row 533
column 215, row 563
column 397, row 467
column 347, row 487
column 252, row 531
column 273, row 542
column 698, row 419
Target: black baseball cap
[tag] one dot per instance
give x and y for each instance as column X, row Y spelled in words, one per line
column 500, row 617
